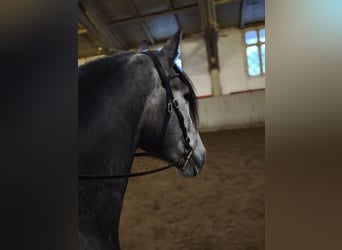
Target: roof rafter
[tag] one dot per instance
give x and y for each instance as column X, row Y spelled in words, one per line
column 146, row 17
column 172, row 7
column 242, row 14
column 94, row 22
column 142, row 24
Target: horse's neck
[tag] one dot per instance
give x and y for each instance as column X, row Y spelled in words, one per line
column 107, row 144
column 100, row 201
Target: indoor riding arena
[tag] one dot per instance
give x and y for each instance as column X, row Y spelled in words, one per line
column 222, row 51
column 221, row 208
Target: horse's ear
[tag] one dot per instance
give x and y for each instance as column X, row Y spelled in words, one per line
column 143, row 46
column 170, row 48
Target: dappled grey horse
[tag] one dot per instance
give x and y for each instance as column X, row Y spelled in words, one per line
column 128, row 101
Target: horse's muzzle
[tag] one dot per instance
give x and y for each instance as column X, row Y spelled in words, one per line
column 192, row 164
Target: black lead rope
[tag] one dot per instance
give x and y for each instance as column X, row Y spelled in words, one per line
column 136, row 174
column 117, row 176
column 171, row 103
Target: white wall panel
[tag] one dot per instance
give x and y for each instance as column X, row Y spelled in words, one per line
column 195, row 64
column 233, row 75
column 232, row 111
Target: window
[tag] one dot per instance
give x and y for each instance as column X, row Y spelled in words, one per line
column 255, row 51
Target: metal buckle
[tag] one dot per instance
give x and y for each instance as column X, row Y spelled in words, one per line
column 169, row 107
column 187, row 158
column 175, row 103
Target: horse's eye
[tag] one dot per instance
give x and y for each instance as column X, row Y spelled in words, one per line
column 187, row 96
column 174, row 76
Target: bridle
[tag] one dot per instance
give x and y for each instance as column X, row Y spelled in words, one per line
column 172, row 105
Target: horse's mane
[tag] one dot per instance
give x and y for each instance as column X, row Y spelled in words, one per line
column 101, row 65
column 96, row 75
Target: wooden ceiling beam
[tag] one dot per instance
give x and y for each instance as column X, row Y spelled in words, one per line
column 172, row 7
column 173, row 11
column 107, row 37
column 83, row 19
column 210, row 28
column 242, row 14
column 146, row 17
column 142, row 24
column 218, row 2
column 82, row 31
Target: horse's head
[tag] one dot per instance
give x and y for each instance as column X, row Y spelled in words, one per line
column 169, row 121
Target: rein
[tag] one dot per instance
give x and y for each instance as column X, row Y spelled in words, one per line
column 118, row 176
column 172, row 104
